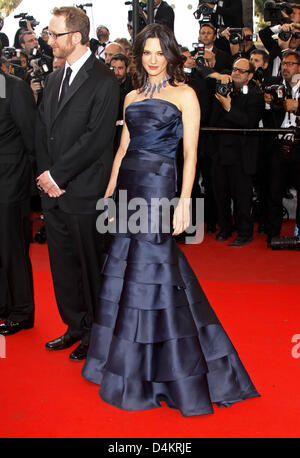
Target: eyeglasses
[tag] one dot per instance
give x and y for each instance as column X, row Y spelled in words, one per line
column 240, row 70
column 289, row 64
column 54, row 36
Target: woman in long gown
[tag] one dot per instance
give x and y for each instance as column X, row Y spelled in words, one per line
column 155, row 336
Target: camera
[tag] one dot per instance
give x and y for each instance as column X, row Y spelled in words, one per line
column 285, row 243
column 39, row 64
column 286, row 35
column 25, row 17
column 272, row 11
column 259, row 75
column 224, row 88
column 198, row 51
column 237, row 36
column 278, row 92
column 10, row 52
column 19, row 71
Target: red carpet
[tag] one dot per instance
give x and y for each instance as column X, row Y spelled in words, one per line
column 254, row 291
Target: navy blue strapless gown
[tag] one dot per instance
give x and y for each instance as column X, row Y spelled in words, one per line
column 155, row 336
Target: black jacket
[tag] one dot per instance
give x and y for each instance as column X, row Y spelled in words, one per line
column 75, row 141
column 165, row 15
column 17, row 124
column 246, row 112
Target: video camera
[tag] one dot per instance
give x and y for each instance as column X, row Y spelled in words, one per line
column 273, row 11
column 25, row 17
column 205, row 13
column 237, row 36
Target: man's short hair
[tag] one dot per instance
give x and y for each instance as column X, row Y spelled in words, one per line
column 290, row 52
column 263, row 53
column 208, row 24
column 121, row 57
column 76, row 21
column 23, row 35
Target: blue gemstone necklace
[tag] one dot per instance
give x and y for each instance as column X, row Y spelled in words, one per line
column 151, row 89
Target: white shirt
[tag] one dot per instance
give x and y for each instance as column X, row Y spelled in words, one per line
column 75, row 67
column 290, row 118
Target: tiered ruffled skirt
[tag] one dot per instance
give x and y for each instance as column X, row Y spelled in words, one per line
column 155, row 336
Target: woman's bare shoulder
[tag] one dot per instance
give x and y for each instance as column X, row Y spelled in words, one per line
column 130, row 97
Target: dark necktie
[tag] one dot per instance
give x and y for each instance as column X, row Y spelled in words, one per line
column 65, row 85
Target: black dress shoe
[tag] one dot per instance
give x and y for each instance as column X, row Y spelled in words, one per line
column 10, row 327
column 61, row 343
column 80, row 353
column 222, row 236
column 241, row 241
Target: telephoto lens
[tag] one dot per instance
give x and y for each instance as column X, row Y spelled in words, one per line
column 285, row 243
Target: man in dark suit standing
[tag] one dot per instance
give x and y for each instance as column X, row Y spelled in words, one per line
column 17, row 122
column 164, row 14
column 75, row 132
column 235, row 155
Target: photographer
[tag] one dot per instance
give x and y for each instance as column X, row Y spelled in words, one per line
column 163, row 14
column 221, row 13
column 234, row 155
column 288, row 38
column 240, row 41
column 4, row 42
column 98, row 46
column 207, row 36
column 119, row 64
column 285, row 151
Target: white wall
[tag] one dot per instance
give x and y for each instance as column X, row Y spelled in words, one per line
column 112, row 13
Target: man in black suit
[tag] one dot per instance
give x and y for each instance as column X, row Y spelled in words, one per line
column 284, row 156
column 17, row 122
column 207, row 36
column 235, row 155
column 164, row 14
column 75, row 132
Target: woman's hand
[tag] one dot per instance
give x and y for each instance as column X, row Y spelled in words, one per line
column 181, row 218
column 109, row 191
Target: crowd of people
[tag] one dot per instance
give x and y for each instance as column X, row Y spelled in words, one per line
column 242, row 85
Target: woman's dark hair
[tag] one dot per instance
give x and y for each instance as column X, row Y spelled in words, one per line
column 170, row 49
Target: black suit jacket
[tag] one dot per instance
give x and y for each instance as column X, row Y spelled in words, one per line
column 165, row 15
column 75, row 140
column 17, row 123
column 232, row 12
column 229, row 148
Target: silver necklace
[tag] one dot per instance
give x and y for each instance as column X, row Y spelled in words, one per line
column 151, row 89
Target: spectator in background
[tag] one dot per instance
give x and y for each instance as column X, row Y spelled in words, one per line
column 110, row 50
column 120, row 64
column 4, row 41
column 207, row 36
column 98, row 46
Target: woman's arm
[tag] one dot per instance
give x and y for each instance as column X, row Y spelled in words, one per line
column 191, row 124
column 124, row 142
